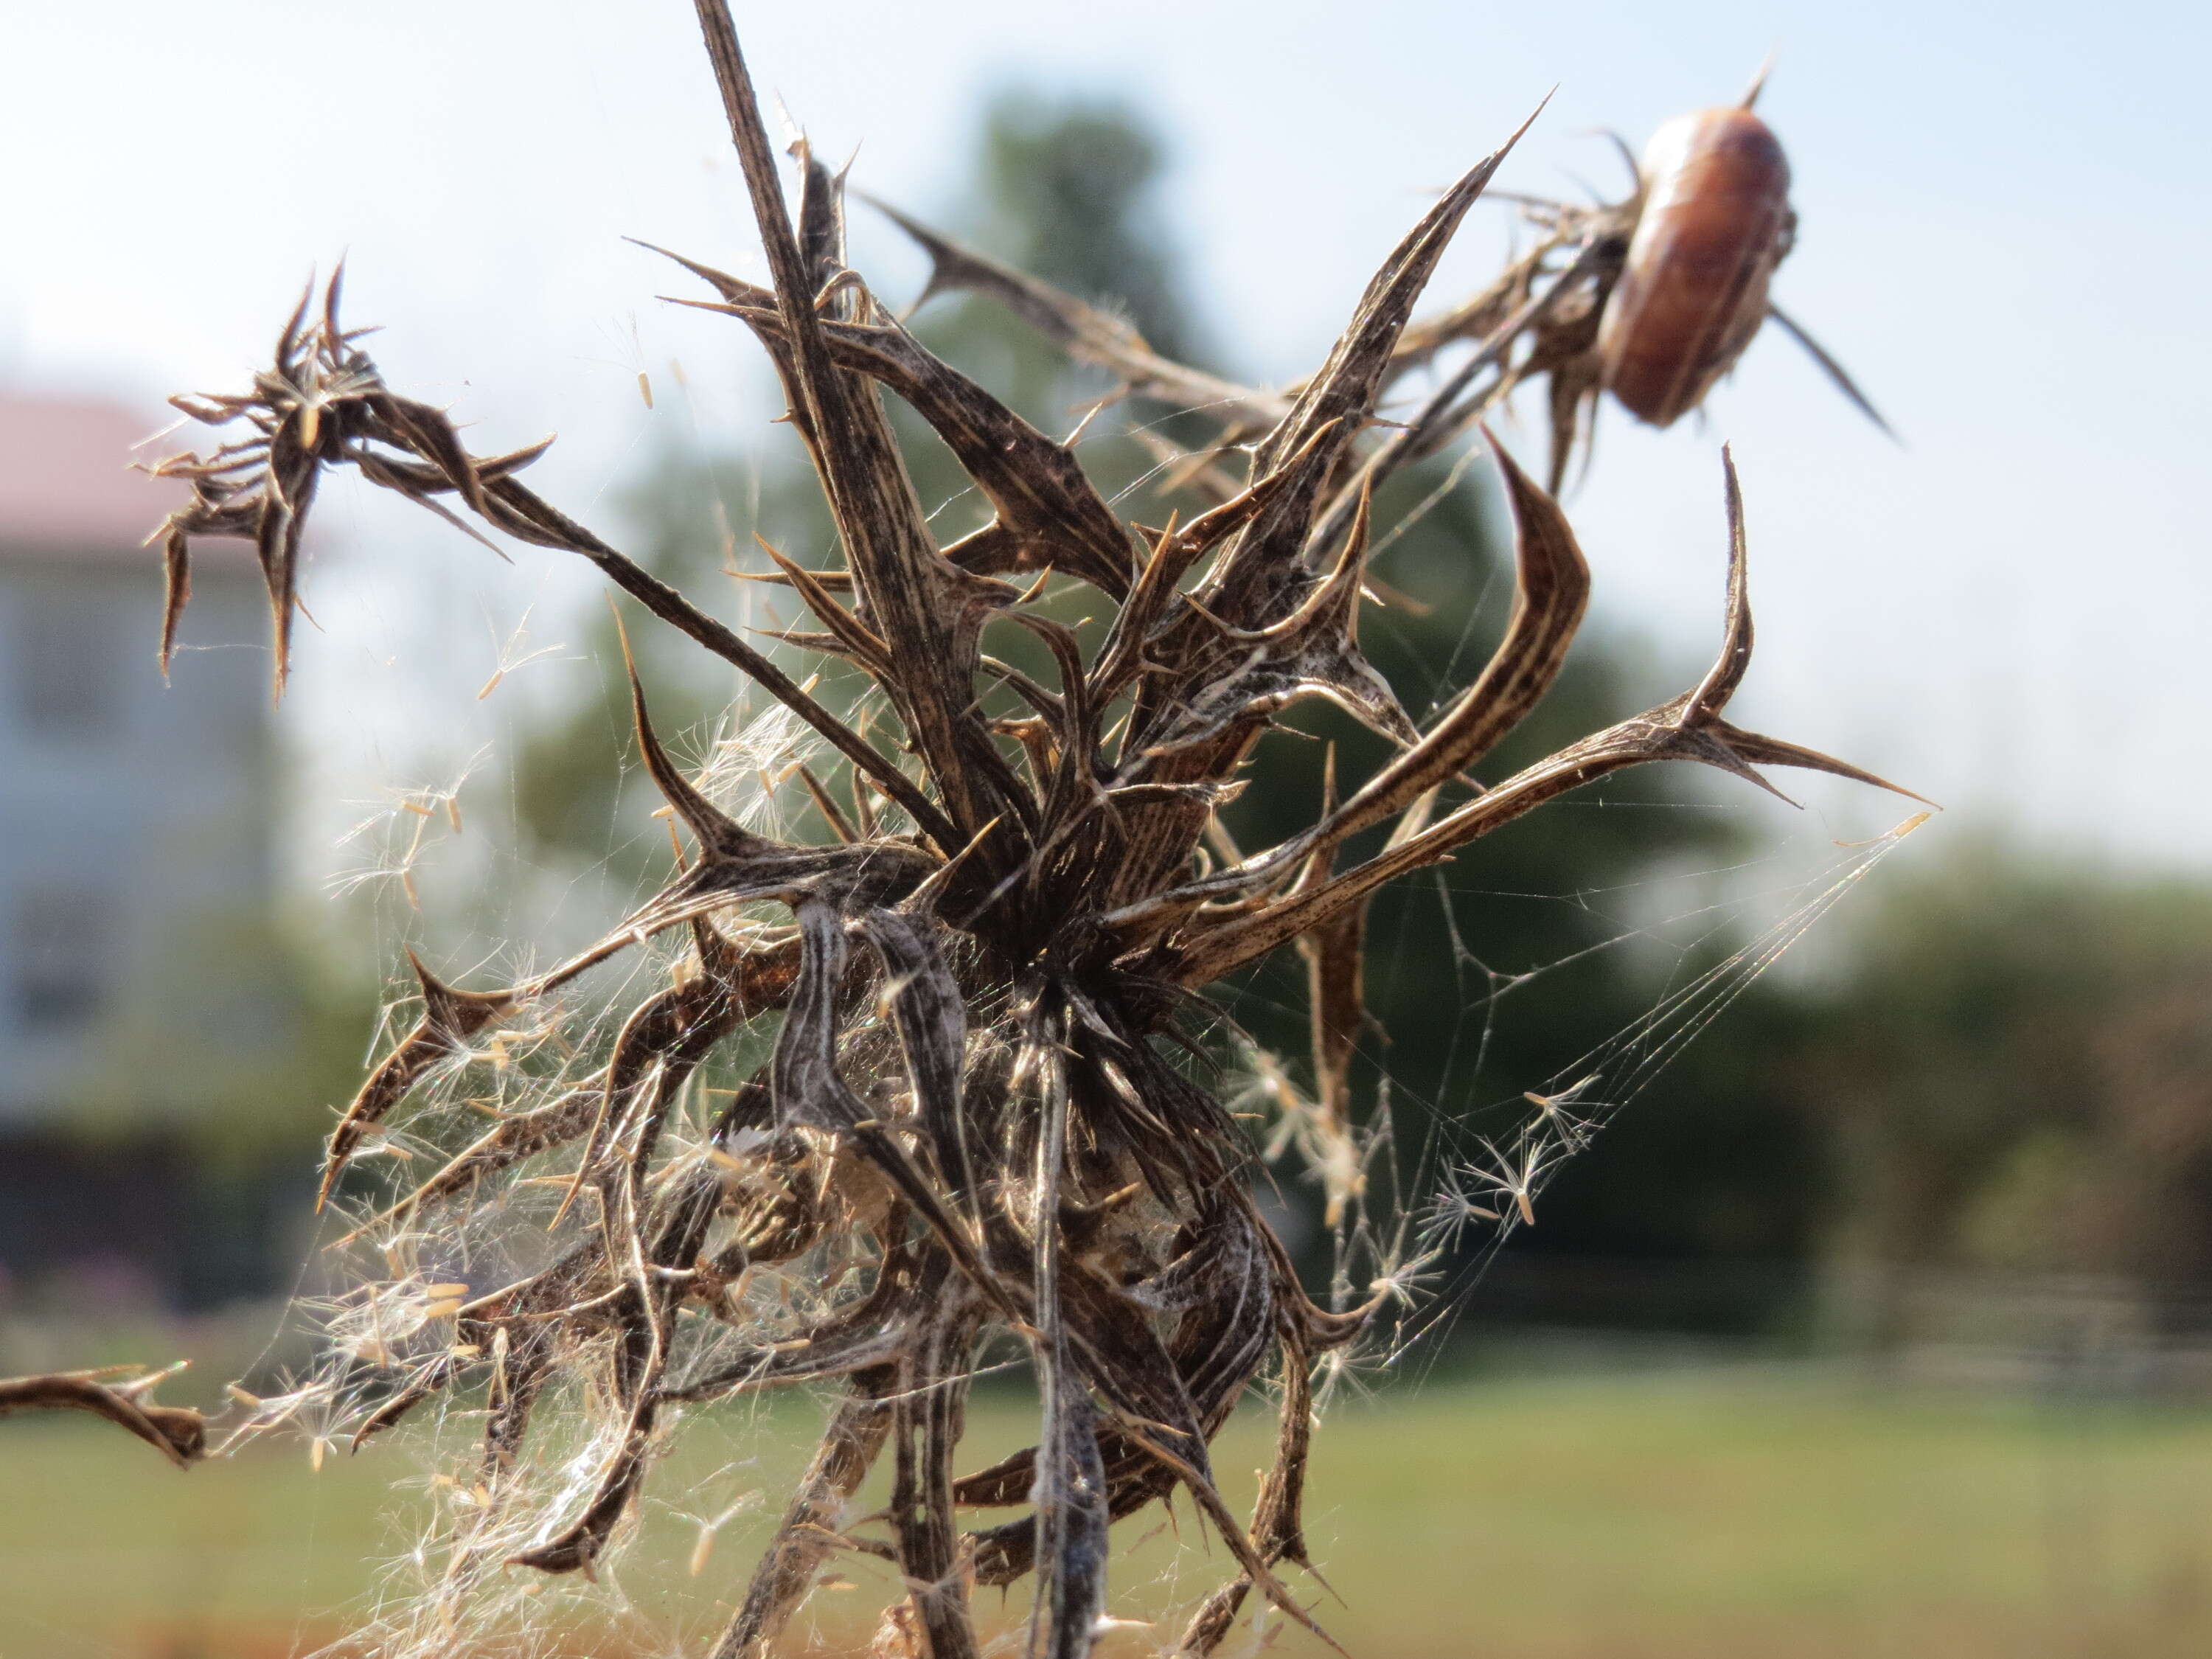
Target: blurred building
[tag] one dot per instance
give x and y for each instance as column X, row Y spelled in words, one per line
column 135, row 851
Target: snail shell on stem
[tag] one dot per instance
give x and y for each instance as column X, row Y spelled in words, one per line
column 1715, row 221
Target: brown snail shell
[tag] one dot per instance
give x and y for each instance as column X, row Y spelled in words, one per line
column 1715, row 221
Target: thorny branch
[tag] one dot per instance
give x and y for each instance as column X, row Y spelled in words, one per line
column 968, row 1122
column 178, row 1432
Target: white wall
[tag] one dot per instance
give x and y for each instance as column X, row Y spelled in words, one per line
column 135, row 818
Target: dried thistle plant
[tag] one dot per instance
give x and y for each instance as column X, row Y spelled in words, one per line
column 972, row 1121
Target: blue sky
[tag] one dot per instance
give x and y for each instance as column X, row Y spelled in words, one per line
column 2004, row 233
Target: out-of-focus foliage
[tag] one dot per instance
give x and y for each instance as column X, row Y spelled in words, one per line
column 181, row 1161
column 1070, row 195
column 2017, row 1072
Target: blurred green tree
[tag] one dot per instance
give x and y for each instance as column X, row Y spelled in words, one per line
column 2016, row 1074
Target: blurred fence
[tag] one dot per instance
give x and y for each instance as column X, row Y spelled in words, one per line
column 1915, row 1326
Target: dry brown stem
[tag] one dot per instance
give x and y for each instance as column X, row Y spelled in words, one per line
column 178, row 1432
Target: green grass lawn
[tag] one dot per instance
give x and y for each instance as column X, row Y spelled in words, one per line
column 1715, row 1514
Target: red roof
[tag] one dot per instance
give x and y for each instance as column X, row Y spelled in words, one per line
column 66, row 486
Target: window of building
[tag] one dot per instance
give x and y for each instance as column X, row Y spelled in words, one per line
column 63, row 949
column 64, row 653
